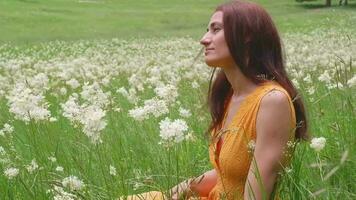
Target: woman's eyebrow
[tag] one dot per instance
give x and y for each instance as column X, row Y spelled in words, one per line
column 214, row 24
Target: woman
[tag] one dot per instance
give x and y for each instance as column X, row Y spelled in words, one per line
column 254, row 107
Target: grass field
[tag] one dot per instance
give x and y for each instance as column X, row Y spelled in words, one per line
column 88, row 90
column 30, row 21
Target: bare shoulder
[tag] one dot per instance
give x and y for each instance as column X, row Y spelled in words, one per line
column 275, row 98
column 274, row 111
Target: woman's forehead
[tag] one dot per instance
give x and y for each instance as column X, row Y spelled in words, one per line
column 217, row 18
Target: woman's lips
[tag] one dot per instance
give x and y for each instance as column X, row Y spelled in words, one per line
column 207, row 50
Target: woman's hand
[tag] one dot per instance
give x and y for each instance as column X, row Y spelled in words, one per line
column 199, row 186
column 182, row 190
column 203, row 184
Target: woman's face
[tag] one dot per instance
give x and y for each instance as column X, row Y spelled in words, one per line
column 217, row 53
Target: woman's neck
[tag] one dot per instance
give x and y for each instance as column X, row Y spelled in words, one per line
column 241, row 85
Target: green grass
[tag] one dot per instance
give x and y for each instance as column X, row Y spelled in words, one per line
column 132, row 146
column 31, row 21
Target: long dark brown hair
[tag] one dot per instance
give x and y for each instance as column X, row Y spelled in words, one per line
column 256, row 48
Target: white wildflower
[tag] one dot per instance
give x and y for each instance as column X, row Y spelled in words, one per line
column 60, row 194
column 168, row 93
column 311, row 90
column 105, row 81
column 195, row 85
column 184, row 112
column 123, row 92
column 73, row 183
column 64, row 196
column 94, row 95
column 91, row 117
column 335, row 85
column 2, row 151
column 172, row 130
column 325, row 77
column 75, row 95
column 201, row 118
column 318, row 143
column 139, row 114
column 71, row 108
column 136, row 81
column 8, row 128
column 339, row 85
column 156, row 107
column 93, row 122
column 308, row 79
column 132, row 95
column 52, row 158
column 11, row 172
column 59, row 169
column 189, row 137
column 153, row 106
column 26, row 104
column 112, row 170
column 117, row 109
column 32, row 166
column 73, row 83
column 5, row 161
column 352, row 81
column 288, row 170
column 137, row 186
column 39, row 82
column 53, row 119
column 63, row 91
column 331, row 86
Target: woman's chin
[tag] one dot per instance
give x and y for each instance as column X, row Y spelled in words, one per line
column 211, row 63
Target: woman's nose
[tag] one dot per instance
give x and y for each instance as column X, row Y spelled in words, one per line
column 205, row 40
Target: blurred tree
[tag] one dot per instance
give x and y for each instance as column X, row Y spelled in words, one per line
column 345, row 2
column 328, row 2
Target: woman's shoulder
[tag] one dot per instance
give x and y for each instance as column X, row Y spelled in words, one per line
column 276, row 107
column 276, row 99
column 274, row 92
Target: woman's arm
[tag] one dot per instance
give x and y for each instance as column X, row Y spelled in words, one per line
column 200, row 186
column 204, row 183
column 273, row 128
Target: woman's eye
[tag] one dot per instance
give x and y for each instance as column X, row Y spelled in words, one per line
column 215, row 30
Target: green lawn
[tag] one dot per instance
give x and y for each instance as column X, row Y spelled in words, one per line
column 31, row 21
column 113, row 74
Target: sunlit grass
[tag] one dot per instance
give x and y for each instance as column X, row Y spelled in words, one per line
column 133, row 147
column 33, row 21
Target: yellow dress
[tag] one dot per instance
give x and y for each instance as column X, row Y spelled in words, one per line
column 232, row 163
column 231, row 156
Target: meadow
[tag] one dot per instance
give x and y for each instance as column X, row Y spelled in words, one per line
column 101, row 99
